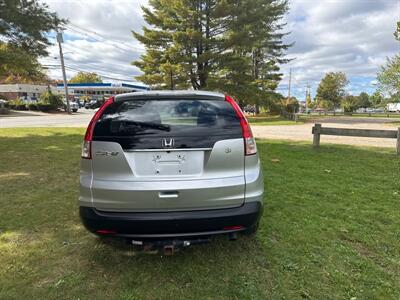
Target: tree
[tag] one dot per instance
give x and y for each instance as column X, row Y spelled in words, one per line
column 24, row 24
column 377, row 99
column 23, row 38
column 350, row 103
column 85, row 77
column 181, row 42
column 363, row 100
column 397, row 32
column 290, row 105
column 331, row 90
column 229, row 45
column 389, row 75
column 309, row 102
column 249, row 71
column 389, row 78
column 19, row 66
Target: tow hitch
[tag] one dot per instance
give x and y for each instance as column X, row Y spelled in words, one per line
column 169, row 247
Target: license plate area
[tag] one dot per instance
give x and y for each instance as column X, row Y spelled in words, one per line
column 166, row 163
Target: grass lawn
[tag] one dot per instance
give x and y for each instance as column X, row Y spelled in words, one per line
column 271, row 120
column 330, row 230
column 310, row 117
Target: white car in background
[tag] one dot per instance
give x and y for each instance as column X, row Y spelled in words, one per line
column 74, row 106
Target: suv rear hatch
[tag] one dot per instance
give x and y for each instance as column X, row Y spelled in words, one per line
column 167, row 153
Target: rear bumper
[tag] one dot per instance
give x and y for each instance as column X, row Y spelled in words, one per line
column 171, row 224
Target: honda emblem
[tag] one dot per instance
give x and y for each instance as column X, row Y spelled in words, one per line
column 168, row 143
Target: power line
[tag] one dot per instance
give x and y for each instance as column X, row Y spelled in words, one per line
column 103, row 39
column 78, row 68
column 86, row 71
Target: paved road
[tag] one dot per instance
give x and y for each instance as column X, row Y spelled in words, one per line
column 38, row 119
column 283, row 132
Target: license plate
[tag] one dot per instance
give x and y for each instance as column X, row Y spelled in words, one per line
column 171, row 163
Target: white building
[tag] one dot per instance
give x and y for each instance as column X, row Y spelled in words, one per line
column 99, row 90
column 25, row 92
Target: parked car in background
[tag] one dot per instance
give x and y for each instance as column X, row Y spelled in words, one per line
column 393, row 107
column 93, row 104
column 4, row 109
column 72, row 105
column 171, row 166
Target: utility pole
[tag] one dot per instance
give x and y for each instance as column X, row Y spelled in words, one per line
column 307, row 91
column 290, row 82
column 307, row 94
column 60, row 40
column 171, row 78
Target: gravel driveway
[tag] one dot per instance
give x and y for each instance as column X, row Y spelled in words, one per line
column 303, row 132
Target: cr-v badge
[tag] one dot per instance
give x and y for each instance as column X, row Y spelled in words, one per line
column 107, row 153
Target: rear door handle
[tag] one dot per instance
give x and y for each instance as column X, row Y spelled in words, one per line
column 172, row 194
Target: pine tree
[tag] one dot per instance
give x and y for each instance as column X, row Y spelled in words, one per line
column 309, row 102
column 183, row 43
column 251, row 71
column 228, row 45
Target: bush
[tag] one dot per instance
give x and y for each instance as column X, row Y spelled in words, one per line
column 44, row 107
column 275, row 108
column 17, row 104
column 32, row 106
column 290, row 105
column 53, row 100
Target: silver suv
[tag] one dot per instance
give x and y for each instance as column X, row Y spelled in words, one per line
column 170, row 164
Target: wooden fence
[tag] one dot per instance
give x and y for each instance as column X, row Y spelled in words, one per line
column 318, row 130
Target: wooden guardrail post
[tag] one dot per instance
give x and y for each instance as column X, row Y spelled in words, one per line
column 398, row 141
column 317, row 135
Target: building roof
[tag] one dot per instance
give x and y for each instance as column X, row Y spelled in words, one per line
column 133, row 86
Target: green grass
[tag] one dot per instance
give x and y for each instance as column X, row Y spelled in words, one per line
column 314, row 116
column 330, row 230
column 271, row 120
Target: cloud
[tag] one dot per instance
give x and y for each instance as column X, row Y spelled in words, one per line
column 353, row 36
column 98, row 38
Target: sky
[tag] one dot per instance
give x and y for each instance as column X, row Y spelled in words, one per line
column 352, row 36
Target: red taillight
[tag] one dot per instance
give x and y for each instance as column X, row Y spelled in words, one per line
column 105, row 231
column 249, row 142
column 238, row 227
column 87, row 142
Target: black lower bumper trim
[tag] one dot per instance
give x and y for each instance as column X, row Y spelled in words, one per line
column 171, row 224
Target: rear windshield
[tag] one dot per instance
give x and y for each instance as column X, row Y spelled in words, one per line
column 168, row 118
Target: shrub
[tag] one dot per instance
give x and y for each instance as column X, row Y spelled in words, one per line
column 53, row 100
column 44, row 107
column 290, row 104
column 17, row 104
column 11, row 105
column 32, row 106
